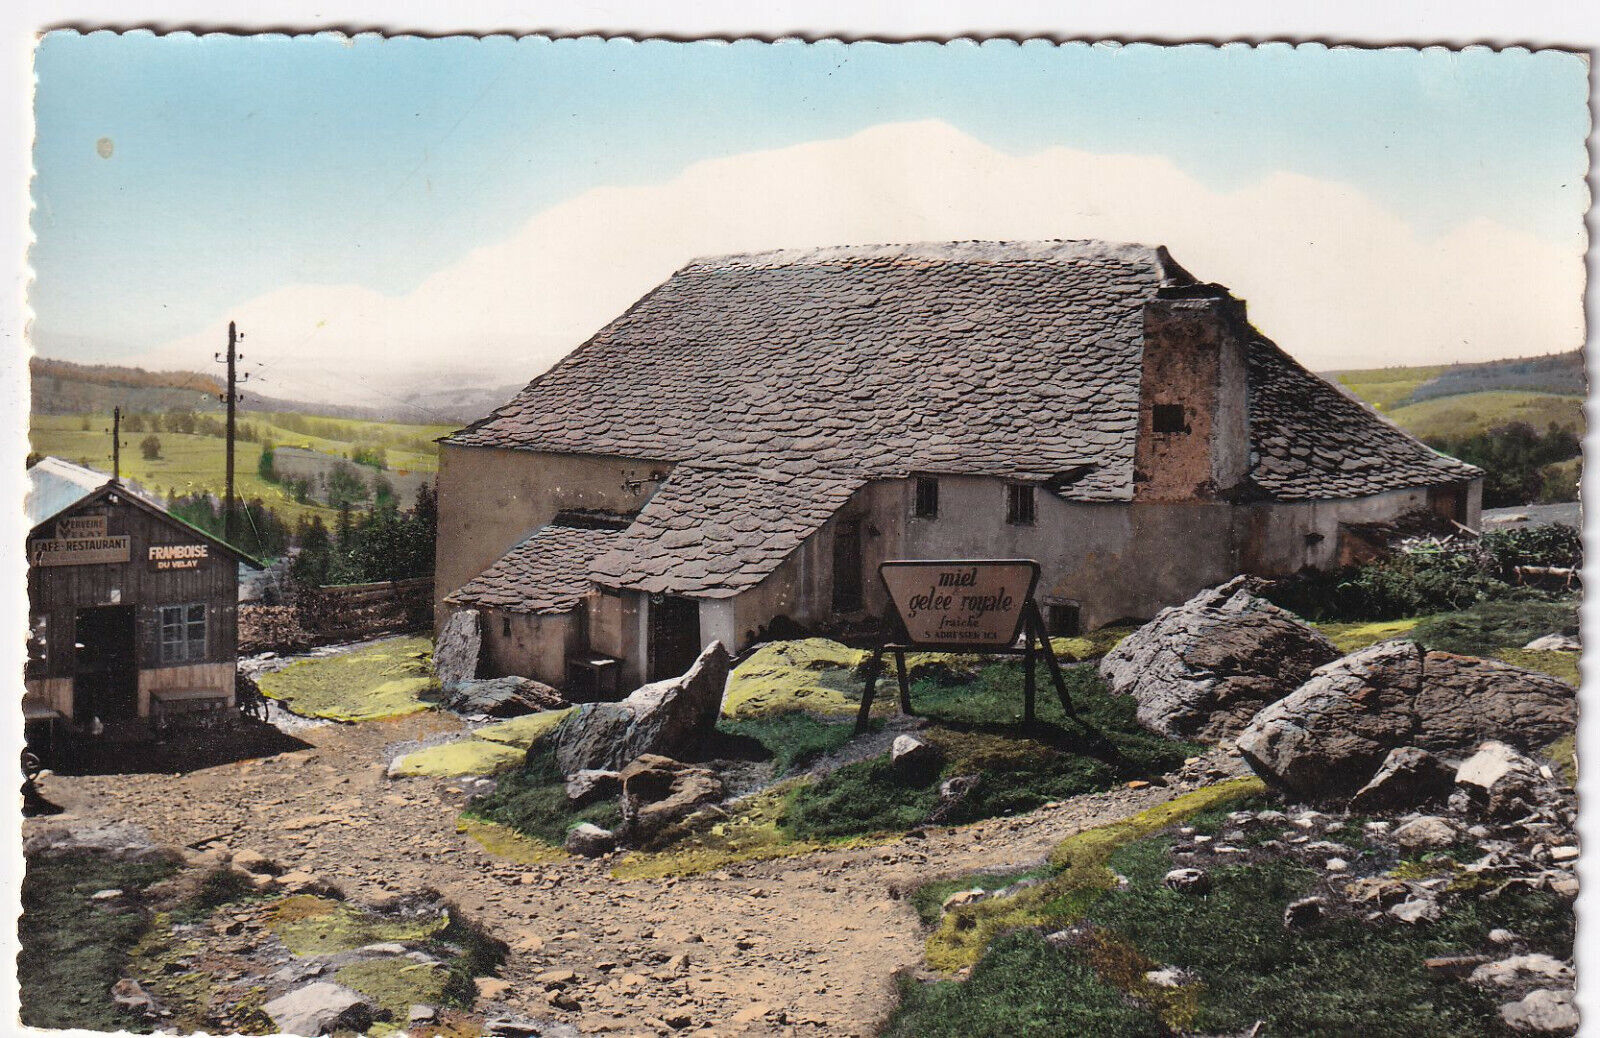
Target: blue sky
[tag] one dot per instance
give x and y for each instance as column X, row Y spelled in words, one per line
column 242, row 165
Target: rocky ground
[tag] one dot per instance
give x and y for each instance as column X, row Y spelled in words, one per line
column 804, row 944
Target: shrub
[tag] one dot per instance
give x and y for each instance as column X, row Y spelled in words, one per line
column 533, row 801
column 150, row 447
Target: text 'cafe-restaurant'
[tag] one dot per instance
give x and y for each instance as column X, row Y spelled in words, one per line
column 132, row 611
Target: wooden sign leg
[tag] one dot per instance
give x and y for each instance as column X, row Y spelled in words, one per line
column 905, row 684
column 874, row 668
column 1037, row 622
column 1027, row 674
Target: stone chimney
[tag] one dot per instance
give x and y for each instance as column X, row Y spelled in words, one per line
column 1194, row 431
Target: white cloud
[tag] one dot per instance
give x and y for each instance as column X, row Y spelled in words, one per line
column 1333, row 277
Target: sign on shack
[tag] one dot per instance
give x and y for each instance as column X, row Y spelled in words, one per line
column 967, row 606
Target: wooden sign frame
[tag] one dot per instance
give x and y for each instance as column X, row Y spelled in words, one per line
column 1030, row 627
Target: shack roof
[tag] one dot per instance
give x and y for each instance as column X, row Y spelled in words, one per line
column 546, row 573
column 56, row 487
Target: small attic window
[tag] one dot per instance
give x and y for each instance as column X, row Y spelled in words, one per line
column 1019, row 504
column 926, row 505
column 1168, row 418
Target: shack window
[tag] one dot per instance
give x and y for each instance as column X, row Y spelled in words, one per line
column 183, row 633
column 505, row 627
column 1062, row 618
column 1019, row 504
column 927, row 505
column 1168, row 418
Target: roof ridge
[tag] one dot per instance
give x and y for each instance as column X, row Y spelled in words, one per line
column 1050, row 250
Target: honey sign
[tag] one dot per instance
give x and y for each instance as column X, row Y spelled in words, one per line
column 961, row 602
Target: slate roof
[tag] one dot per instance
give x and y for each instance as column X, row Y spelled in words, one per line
column 781, row 382
column 714, row 532
column 1309, row 441
column 1007, row 359
column 546, row 573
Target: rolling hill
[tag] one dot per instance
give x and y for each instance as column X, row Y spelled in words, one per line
column 1453, row 401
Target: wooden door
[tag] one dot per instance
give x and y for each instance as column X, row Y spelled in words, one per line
column 674, row 635
column 105, row 679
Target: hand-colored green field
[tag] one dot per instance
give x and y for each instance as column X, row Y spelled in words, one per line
column 379, row 681
column 486, row 751
column 1385, row 388
column 193, row 463
column 1471, row 413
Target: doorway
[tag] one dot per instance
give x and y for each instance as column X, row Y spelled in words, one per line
column 674, row 636
column 847, row 566
column 105, row 670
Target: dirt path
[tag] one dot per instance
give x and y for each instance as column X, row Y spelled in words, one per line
column 800, row 945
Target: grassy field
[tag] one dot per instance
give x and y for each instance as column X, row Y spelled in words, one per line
column 192, row 463
column 1475, row 412
column 377, row 681
column 1385, row 388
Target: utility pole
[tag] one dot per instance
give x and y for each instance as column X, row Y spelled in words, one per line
column 231, row 398
column 116, row 444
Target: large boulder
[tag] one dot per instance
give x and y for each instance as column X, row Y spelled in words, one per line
column 1329, row 736
column 1408, row 777
column 319, row 1008
column 1502, row 782
column 1202, row 670
column 455, row 653
column 657, row 791
column 664, row 717
column 504, row 697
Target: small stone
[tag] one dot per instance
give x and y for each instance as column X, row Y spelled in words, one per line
column 1171, row 977
column 1453, row 966
column 556, row 978
column 1428, row 833
column 1502, row 937
column 421, row 1014
column 1337, row 865
column 1188, row 881
column 914, row 758
column 1521, row 971
column 491, row 988
column 963, row 897
column 590, row 840
column 105, row 895
column 1563, row 853
column 1542, row 1011
column 1303, row 913
column 1417, row 910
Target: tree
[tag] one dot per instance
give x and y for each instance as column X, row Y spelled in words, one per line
column 150, row 447
column 265, row 467
column 133, row 424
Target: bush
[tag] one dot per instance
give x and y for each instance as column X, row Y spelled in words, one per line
column 1514, row 458
column 1554, row 545
column 795, row 738
column 150, row 447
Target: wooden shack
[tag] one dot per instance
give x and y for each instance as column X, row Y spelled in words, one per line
column 132, row 611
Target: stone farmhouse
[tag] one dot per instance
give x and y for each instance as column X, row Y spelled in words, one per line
column 750, row 439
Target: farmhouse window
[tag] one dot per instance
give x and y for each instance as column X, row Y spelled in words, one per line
column 927, row 504
column 1168, row 418
column 505, row 627
column 183, row 633
column 1019, row 504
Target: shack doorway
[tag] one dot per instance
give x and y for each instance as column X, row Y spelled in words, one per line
column 105, row 672
column 674, row 636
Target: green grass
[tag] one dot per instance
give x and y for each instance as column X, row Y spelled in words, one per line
column 488, row 750
column 1343, row 977
column 795, row 738
column 1349, row 636
column 383, row 680
column 74, row 949
column 977, row 725
column 533, row 801
column 1490, row 627
column 1023, row 987
column 1455, row 416
column 929, row 898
